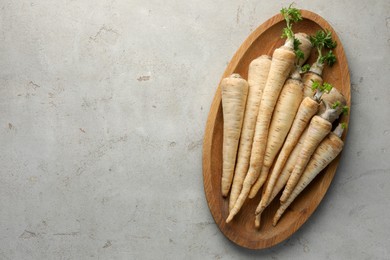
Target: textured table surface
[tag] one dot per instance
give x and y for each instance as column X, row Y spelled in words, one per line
column 103, row 106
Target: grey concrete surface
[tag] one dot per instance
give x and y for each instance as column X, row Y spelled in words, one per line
column 103, row 106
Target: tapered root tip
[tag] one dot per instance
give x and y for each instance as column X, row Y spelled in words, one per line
column 259, row 210
column 251, row 195
column 257, row 221
column 253, row 191
column 229, row 218
column 277, row 216
column 266, row 197
column 224, row 191
column 275, row 221
column 284, row 197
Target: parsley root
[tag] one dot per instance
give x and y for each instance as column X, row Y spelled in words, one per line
column 234, row 95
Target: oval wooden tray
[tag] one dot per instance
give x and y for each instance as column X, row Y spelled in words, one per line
column 242, row 230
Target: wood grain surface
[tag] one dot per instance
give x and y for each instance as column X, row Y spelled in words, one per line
column 241, row 230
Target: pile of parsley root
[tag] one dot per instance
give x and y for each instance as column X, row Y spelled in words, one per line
column 277, row 130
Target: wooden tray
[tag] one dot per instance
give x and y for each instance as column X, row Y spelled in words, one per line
column 241, row 230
